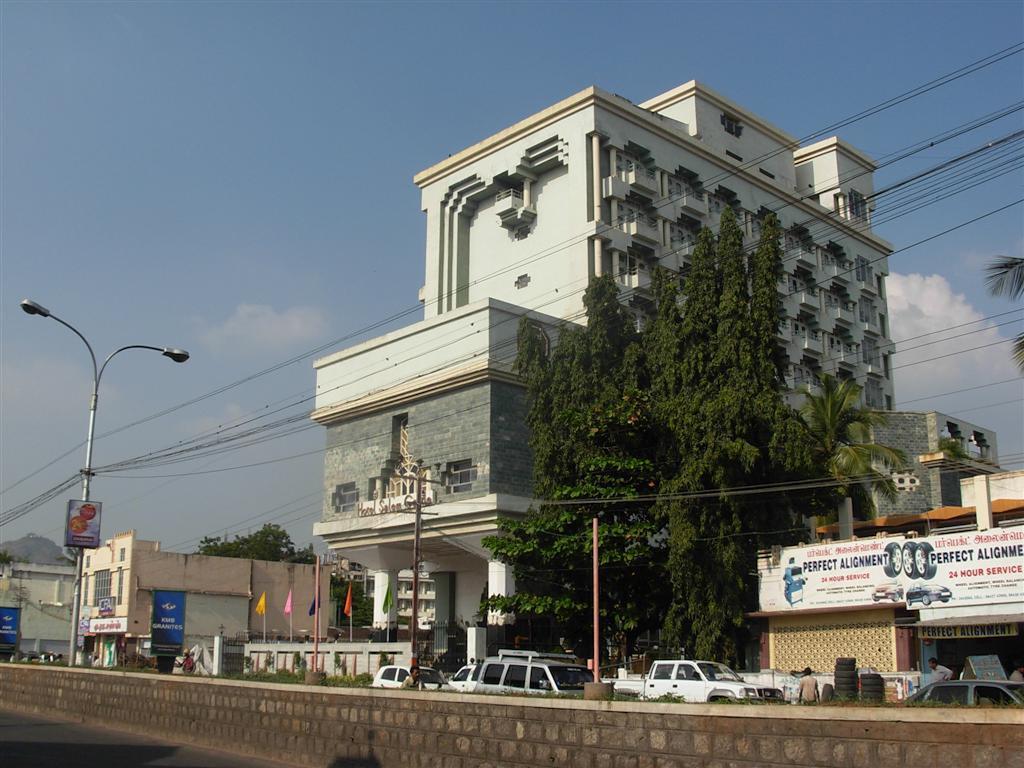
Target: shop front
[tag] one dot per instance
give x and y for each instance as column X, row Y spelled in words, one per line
column 893, row 602
column 108, row 640
column 952, row 640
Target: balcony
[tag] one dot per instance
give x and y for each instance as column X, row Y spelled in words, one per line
column 833, row 270
column 806, row 258
column 643, row 227
column 686, row 201
column 808, row 299
column 637, row 278
column 842, row 313
column 613, row 186
column 642, row 180
column 511, row 209
column 811, row 341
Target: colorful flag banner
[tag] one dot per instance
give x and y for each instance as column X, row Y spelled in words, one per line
column 348, row 601
column 288, row 604
column 389, row 600
column 261, row 605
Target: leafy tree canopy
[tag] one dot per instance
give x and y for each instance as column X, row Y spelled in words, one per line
column 589, row 414
column 271, row 542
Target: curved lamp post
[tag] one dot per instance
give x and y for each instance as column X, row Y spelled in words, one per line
column 177, row 355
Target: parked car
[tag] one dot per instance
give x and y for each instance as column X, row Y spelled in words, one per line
column 694, row 681
column 970, row 692
column 465, row 678
column 890, row 591
column 514, row 671
column 928, row 594
column 393, row 675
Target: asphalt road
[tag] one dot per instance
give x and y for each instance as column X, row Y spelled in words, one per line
column 30, row 741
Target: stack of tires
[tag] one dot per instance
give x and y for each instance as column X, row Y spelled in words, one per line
column 846, row 679
column 872, row 687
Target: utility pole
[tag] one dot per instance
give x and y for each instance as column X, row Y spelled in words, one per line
column 597, row 613
column 415, row 622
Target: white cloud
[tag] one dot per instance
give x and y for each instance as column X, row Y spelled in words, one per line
column 923, row 364
column 260, row 327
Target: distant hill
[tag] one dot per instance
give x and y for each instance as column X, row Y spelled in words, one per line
column 34, row 549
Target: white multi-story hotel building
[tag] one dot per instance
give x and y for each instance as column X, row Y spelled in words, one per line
column 518, row 224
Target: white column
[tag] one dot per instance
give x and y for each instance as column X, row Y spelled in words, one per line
column 527, row 193
column 595, row 147
column 218, row 654
column 982, row 502
column 500, row 581
column 381, row 581
column 598, row 257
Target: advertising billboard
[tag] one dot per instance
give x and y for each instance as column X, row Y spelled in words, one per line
column 976, row 568
column 82, row 526
column 9, row 620
column 168, row 626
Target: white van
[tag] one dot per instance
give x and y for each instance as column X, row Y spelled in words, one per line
column 531, row 672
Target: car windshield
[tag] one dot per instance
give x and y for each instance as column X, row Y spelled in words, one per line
column 570, row 678
column 713, row 671
column 431, row 676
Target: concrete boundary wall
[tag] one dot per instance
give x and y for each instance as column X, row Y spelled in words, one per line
column 364, row 728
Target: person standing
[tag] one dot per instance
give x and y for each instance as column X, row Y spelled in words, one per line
column 1017, row 676
column 939, row 672
column 808, row 687
column 413, row 680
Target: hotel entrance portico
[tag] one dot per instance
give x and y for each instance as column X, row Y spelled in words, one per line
column 439, row 398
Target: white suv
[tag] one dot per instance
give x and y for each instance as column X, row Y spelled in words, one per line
column 531, row 672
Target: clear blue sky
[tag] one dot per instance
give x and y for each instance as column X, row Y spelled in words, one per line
column 236, row 179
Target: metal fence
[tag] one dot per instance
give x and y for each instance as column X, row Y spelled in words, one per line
column 233, row 662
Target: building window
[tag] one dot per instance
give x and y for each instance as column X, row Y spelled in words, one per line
column 522, row 281
column 85, row 590
column 344, row 498
column 101, row 586
column 734, row 156
column 863, row 270
column 120, row 555
column 87, row 559
column 858, row 205
column 461, row 475
column 120, row 583
column 732, row 125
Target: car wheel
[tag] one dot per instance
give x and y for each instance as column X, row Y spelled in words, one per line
column 909, row 560
column 926, row 600
column 922, row 560
column 894, row 561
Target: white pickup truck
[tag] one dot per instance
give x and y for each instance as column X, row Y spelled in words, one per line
column 693, row 681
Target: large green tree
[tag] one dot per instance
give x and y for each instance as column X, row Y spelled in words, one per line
column 731, row 429
column 838, row 430
column 589, row 416
column 271, row 542
column 1005, row 277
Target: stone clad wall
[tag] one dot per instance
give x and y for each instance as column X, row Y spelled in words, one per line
column 364, row 728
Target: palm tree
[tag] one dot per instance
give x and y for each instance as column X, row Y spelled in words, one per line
column 1005, row 277
column 839, row 430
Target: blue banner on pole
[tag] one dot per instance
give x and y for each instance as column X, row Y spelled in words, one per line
column 9, row 620
column 168, row 626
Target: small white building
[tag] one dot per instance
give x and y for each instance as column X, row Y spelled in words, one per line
column 517, row 226
column 44, row 594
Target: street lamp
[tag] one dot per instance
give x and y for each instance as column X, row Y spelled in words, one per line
column 177, row 355
column 419, row 476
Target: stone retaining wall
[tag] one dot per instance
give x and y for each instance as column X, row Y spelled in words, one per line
column 360, row 728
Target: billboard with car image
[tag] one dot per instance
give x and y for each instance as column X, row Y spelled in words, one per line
column 975, row 568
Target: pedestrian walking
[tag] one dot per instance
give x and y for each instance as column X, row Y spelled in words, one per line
column 808, row 687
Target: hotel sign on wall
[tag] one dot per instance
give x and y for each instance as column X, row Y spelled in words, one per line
column 406, row 503
column 945, row 571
